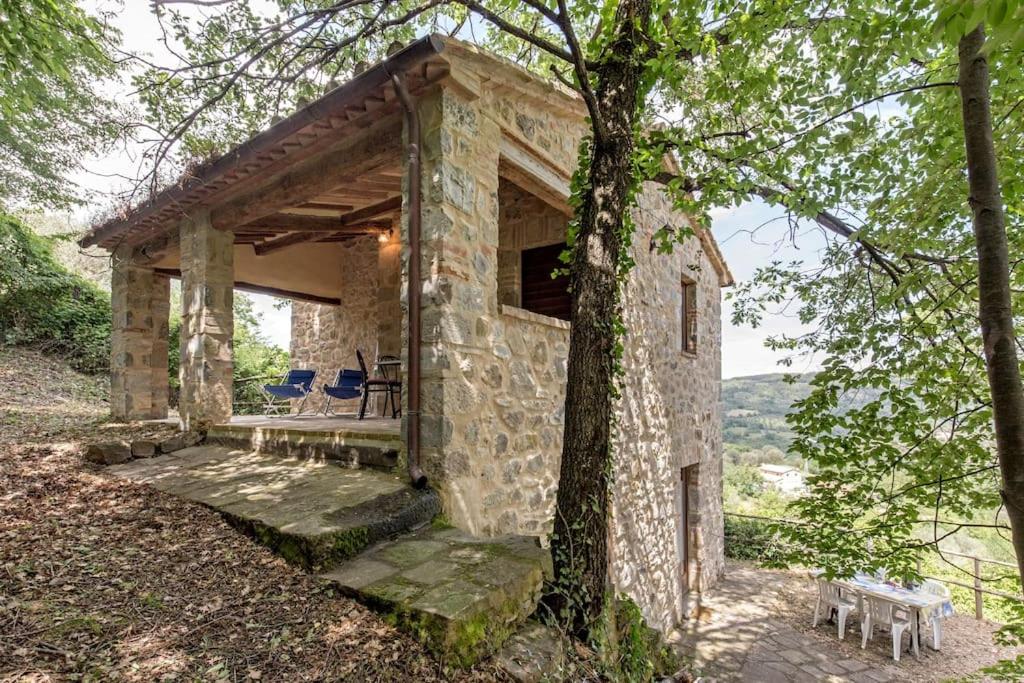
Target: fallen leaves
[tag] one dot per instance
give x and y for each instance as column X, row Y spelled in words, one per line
column 103, row 579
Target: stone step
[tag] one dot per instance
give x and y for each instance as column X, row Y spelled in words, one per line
column 353, row 447
column 313, row 513
column 460, row 595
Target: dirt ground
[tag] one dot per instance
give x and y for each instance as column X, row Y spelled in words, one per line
column 102, row 580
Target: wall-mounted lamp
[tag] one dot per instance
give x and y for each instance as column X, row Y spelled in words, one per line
column 385, row 236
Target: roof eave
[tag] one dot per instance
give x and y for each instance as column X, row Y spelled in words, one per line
column 331, row 103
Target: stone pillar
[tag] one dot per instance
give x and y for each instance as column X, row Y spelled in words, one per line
column 131, row 339
column 460, row 143
column 207, row 323
column 160, row 309
column 389, row 310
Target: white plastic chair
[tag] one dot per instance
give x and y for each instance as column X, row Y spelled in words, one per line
column 828, row 596
column 880, row 612
column 935, row 615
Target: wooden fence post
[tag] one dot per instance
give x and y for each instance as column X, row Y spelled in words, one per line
column 978, row 608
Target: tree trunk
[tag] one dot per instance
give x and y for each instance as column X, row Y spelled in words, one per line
column 996, row 314
column 580, row 543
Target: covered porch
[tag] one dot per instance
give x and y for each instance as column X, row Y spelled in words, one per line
column 321, row 209
column 310, row 210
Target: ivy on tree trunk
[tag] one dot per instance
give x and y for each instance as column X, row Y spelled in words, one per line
column 580, row 541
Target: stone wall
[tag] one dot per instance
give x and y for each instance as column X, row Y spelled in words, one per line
column 494, row 375
column 325, row 337
column 669, row 419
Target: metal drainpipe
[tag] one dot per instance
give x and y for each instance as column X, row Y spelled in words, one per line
column 412, row 125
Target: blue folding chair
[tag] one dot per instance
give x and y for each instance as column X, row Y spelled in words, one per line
column 347, row 384
column 297, row 384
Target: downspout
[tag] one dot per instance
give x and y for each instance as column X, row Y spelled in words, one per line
column 414, row 209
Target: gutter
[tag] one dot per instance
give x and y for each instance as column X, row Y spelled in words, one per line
column 332, row 103
column 414, row 212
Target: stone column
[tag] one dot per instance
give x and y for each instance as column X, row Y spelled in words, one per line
column 131, row 339
column 160, row 309
column 207, row 323
column 460, row 143
column 389, row 311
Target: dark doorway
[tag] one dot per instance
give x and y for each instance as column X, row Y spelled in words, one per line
column 686, row 478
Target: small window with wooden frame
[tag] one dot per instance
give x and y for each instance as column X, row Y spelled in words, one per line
column 689, row 316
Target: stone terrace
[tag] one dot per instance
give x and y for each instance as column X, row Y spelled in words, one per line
column 461, row 596
column 373, row 442
column 314, row 514
column 466, row 594
column 759, row 629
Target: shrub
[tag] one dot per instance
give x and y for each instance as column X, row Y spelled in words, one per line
column 47, row 306
column 42, row 304
column 253, row 355
column 752, row 539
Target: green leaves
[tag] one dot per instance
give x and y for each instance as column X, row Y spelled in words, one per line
column 1004, row 21
column 54, row 59
column 44, row 305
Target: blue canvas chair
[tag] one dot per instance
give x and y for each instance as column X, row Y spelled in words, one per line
column 347, row 384
column 297, row 384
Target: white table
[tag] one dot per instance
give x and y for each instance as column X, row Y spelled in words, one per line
column 913, row 602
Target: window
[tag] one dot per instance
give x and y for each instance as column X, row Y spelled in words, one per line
column 540, row 292
column 689, row 316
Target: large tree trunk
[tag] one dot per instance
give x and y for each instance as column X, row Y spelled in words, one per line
column 994, row 282
column 580, row 542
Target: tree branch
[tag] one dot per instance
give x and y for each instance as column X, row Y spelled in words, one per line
column 516, row 31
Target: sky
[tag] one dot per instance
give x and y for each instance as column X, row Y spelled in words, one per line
column 743, row 350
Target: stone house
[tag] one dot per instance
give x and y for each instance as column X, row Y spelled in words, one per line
column 318, row 209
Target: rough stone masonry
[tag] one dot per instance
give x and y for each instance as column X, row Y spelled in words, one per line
column 494, row 374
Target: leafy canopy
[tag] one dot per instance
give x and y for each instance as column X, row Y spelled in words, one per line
column 54, row 59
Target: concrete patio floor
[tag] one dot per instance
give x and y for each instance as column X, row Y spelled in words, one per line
column 371, row 424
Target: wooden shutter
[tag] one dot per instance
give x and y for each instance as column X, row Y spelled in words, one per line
column 541, row 293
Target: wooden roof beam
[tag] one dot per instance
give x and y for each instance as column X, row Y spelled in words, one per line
column 299, row 237
column 305, row 223
column 362, row 215
column 312, row 178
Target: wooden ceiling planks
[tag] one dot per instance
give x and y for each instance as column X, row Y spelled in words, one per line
column 157, row 216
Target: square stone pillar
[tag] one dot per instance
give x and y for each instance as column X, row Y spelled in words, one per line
column 460, row 143
column 207, row 323
column 139, row 302
column 160, row 309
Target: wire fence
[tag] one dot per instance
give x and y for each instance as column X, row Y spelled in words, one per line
column 752, row 537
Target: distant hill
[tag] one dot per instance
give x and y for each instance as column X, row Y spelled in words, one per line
column 754, row 410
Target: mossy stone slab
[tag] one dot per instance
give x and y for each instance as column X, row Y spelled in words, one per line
column 459, row 595
column 410, row 553
column 314, row 514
